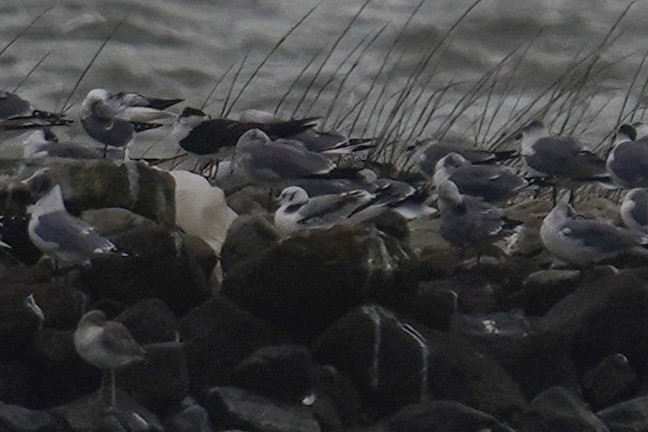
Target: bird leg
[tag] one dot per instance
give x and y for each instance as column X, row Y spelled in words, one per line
column 554, row 195
column 105, row 152
column 110, row 404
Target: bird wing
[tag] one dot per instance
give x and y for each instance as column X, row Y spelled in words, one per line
column 118, row 339
column 332, row 207
column 71, row 234
column 598, row 235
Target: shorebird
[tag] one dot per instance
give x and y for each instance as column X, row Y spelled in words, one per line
column 470, row 223
column 107, row 345
column 584, row 242
column 490, row 182
column 67, row 240
column 627, row 162
column 18, row 115
column 634, row 210
column 114, row 118
column 44, row 143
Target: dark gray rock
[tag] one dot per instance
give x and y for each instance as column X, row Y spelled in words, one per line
column 218, row 336
column 161, row 381
column 309, row 280
column 433, row 306
column 628, row 416
column 475, row 295
column 229, row 407
column 338, row 402
column 247, row 238
column 284, row 372
column 150, row 321
column 113, row 221
column 612, row 380
column 16, row 382
column 192, row 418
column 544, row 288
column 14, row 418
column 158, row 265
column 556, row 409
column 443, row 416
column 19, row 324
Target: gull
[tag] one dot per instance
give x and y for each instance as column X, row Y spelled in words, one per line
column 45, row 143
column 560, row 158
column 265, row 160
column 634, row 210
column 585, row 242
column 114, row 118
column 298, row 211
column 18, row 115
column 492, row 183
column 67, row 240
column 434, row 150
column 468, row 222
column 107, row 345
column 627, row 162
column 197, row 134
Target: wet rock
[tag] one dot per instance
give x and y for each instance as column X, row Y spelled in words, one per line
column 61, row 375
column 474, row 294
column 94, row 184
column 89, row 413
column 382, row 355
column 443, row 416
column 309, row 280
column 201, row 209
column 557, row 409
column 150, row 321
column 231, row 408
column 610, row 381
column 162, row 380
column 19, row 324
column 544, row 288
column 338, row 402
column 218, row 336
column 284, row 372
column 14, row 418
column 433, row 306
column 248, row 237
column 192, row 418
column 158, row 265
column 112, row 221
column 626, row 416
column 202, row 254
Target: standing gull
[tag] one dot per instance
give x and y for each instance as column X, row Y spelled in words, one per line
column 297, row 211
column 563, row 159
column 585, row 242
column 634, row 210
column 114, row 118
column 627, row 162
column 470, row 223
column 490, row 182
column 107, row 345
column 64, row 238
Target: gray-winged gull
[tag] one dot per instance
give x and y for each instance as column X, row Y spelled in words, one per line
column 44, row 143
column 490, row 182
column 263, row 160
column 627, row 162
column 114, row 118
column 634, row 210
column 585, row 242
column 66, row 239
column 298, row 211
column 468, row 222
column 107, row 345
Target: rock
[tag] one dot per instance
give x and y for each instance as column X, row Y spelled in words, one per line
column 280, row 372
column 309, row 280
column 443, row 416
column 94, row 184
column 112, row 221
column 201, row 209
column 162, row 380
column 544, row 288
column 202, row 254
column 338, row 402
column 89, row 413
column 230, row 407
column 433, row 306
column 218, row 336
column 150, row 321
column 626, row 416
column 158, row 265
column 19, row 325
column 16, row 382
column 248, row 237
column 474, row 294
column 556, row 409
column 610, row 381
column 61, row 375
column 382, row 356
column 192, row 418
column 14, row 418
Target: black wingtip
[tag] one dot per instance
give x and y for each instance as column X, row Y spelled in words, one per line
column 190, row 112
column 628, row 130
column 141, row 127
column 162, row 104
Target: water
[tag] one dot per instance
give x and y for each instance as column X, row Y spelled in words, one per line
column 179, row 48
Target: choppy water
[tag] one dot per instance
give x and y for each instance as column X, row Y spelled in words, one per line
column 180, row 48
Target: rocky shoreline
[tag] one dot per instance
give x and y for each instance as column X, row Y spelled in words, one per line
column 361, row 328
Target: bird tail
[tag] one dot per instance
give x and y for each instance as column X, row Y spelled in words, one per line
column 162, row 104
column 289, row 128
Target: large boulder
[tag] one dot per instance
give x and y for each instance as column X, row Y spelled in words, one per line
column 306, row 282
column 628, row 416
column 14, row 418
